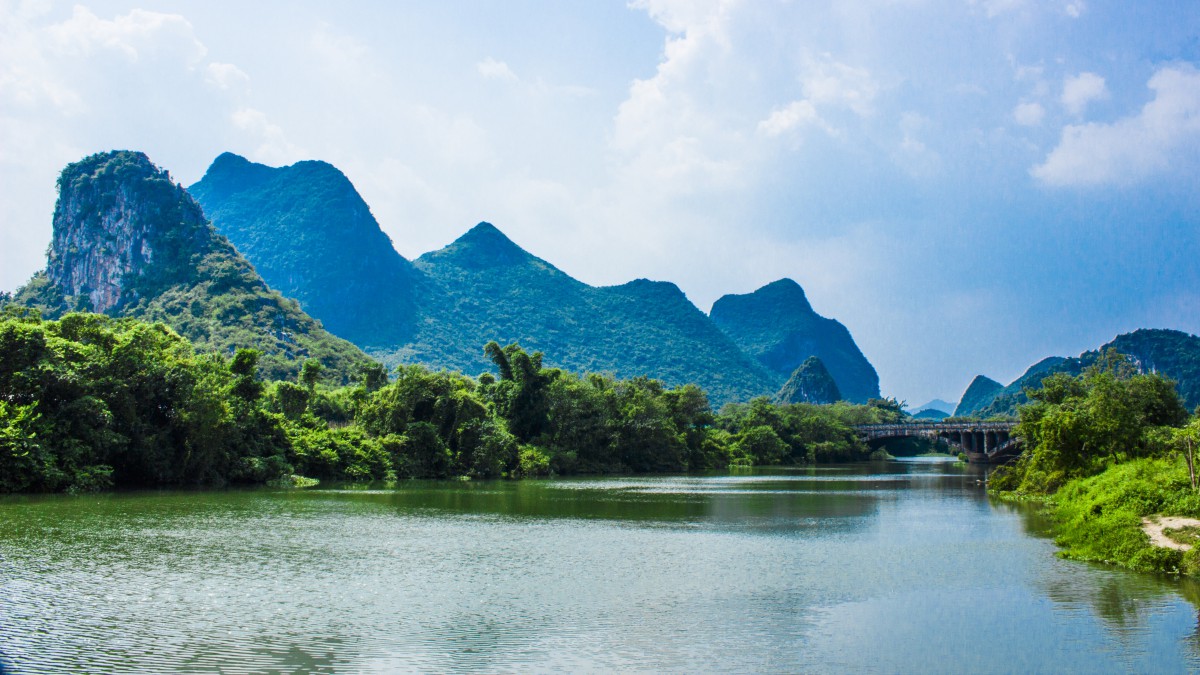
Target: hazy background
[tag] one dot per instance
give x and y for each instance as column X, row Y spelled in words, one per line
column 968, row 185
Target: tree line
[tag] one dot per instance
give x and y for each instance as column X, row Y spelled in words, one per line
column 91, row 402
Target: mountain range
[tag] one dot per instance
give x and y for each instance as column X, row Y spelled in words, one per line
column 311, row 236
column 129, row 242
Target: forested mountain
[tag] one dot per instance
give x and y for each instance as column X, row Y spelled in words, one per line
column 978, row 395
column 313, row 238
column 1172, row 353
column 491, row 289
column 810, row 383
column 130, row 242
column 776, row 325
column 442, row 308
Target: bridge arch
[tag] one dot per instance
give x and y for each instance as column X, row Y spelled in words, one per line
column 985, row 442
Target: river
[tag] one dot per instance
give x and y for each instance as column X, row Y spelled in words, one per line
column 901, row 566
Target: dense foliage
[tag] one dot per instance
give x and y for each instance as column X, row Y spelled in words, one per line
column 1076, row 426
column 1109, row 447
column 172, row 267
column 89, row 402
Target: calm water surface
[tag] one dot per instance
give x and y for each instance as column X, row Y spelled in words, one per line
column 884, row 567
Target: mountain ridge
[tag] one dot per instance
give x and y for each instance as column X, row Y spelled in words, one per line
column 480, row 287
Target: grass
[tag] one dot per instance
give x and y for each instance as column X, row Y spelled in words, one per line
column 1100, row 517
column 1188, row 534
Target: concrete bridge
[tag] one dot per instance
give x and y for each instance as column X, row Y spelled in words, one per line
column 983, row 442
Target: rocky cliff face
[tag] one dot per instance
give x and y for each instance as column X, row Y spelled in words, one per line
column 777, row 326
column 129, row 242
column 122, row 231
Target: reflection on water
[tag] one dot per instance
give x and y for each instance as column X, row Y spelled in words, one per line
column 881, row 567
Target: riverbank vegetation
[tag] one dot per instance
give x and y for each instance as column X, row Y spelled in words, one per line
column 1106, row 449
column 91, row 402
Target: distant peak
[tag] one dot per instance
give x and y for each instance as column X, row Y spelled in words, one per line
column 777, row 295
column 650, row 287
column 488, row 235
column 482, row 246
column 983, row 381
column 229, row 159
column 784, row 288
column 230, row 173
column 484, row 229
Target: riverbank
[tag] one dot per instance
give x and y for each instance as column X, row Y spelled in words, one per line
column 1102, row 518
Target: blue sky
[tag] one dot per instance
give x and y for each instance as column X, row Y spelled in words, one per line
column 969, row 186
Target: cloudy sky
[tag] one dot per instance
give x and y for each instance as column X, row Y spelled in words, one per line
column 968, row 185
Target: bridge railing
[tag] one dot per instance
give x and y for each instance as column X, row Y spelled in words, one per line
column 909, row 428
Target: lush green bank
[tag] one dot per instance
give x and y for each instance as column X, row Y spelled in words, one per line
column 1105, row 449
column 92, row 402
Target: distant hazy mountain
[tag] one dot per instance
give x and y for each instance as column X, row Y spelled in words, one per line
column 307, row 230
column 934, row 414
column 1172, row 353
column 935, row 404
column 129, row 242
column 810, row 383
column 777, row 326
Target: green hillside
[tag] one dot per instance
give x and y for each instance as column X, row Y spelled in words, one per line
column 129, row 242
column 810, row 383
column 491, row 289
column 978, row 395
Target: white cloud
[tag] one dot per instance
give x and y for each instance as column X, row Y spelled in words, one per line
column 1029, row 114
column 495, row 70
column 226, row 76
column 794, row 115
column 1075, row 9
column 137, row 35
column 912, row 154
column 829, row 82
column 665, row 129
column 995, row 8
column 1130, row 149
column 273, row 147
column 1082, row 89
